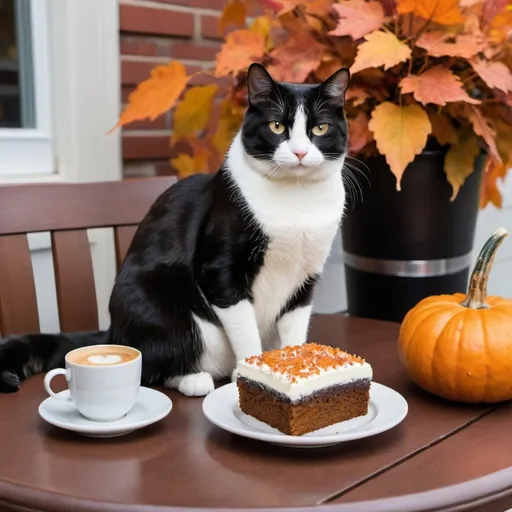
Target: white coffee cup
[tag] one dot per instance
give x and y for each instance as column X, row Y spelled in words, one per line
column 103, row 380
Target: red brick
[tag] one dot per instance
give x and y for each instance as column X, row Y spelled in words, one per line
column 145, row 147
column 163, row 48
column 210, row 27
column 134, row 72
column 205, row 4
column 138, row 47
column 148, row 20
column 125, row 93
column 194, row 51
column 164, row 169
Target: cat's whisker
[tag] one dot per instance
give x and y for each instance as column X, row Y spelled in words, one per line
column 359, row 162
column 356, row 169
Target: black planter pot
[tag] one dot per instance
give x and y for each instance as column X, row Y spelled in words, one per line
column 402, row 246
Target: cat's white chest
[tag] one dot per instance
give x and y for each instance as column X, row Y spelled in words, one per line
column 294, row 254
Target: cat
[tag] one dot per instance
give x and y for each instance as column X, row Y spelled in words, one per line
column 224, row 265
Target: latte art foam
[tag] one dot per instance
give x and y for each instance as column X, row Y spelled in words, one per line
column 102, row 359
column 103, row 356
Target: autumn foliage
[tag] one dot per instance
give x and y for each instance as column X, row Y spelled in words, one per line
column 421, row 69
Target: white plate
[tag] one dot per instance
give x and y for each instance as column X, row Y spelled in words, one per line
column 151, row 406
column 386, row 409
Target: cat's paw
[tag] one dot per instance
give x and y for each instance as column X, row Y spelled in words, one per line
column 196, row 384
column 9, row 382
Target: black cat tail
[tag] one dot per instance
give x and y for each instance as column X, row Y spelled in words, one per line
column 23, row 356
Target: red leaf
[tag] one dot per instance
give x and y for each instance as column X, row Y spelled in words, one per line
column 492, row 8
column 359, row 134
column 437, row 85
column 297, row 58
column 465, row 46
column 494, row 74
column 358, row 18
column 483, row 129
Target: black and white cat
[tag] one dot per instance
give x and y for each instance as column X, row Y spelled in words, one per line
column 224, row 266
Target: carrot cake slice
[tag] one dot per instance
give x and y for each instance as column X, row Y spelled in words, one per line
column 299, row 389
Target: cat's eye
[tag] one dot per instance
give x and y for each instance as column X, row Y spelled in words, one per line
column 320, row 129
column 276, row 127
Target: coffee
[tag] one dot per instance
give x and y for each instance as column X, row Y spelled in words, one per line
column 102, row 356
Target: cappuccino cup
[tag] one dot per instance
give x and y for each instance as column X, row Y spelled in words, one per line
column 103, row 381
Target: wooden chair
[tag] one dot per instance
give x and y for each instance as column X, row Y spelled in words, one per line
column 66, row 210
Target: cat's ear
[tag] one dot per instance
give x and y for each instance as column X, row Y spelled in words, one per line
column 336, row 86
column 259, row 84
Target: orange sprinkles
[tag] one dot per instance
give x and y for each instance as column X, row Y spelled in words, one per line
column 302, row 361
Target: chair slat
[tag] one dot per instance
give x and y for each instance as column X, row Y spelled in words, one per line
column 74, row 277
column 123, row 236
column 18, row 302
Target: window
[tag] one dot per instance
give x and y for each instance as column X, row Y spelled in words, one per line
column 25, row 113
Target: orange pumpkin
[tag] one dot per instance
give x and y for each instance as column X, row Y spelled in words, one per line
column 460, row 347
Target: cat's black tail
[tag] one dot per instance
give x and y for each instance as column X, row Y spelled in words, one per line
column 23, row 356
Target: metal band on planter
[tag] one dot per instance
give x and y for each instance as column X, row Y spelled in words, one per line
column 408, row 268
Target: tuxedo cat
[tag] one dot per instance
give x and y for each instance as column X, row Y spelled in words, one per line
column 224, row 266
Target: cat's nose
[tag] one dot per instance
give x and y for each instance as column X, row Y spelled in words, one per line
column 300, row 154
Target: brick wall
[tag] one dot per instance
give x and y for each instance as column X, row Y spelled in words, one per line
column 152, row 32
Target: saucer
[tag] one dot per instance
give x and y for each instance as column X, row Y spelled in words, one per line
column 386, row 409
column 151, row 406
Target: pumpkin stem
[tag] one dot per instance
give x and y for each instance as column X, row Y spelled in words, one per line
column 476, row 297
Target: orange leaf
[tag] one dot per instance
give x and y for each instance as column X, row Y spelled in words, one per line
column 320, row 8
column 359, row 134
column 298, row 57
column 233, row 14
column 400, row 133
column 241, row 49
column 380, row 49
column 483, row 129
column 494, row 74
column 490, row 193
column 358, row 94
column 157, row 94
column 192, row 113
column 444, row 12
column 442, row 128
column 459, row 162
column 358, row 18
column 465, row 46
column 437, row 85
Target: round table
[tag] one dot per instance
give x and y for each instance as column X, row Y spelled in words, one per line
column 442, row 457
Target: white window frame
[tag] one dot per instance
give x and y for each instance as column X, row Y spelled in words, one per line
column 29, row 151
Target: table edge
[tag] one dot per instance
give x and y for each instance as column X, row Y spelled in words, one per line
column 479, row 491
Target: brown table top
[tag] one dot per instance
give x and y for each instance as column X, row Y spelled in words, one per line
column 184, row 461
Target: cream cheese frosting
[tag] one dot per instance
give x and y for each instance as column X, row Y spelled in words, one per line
column 296, row 372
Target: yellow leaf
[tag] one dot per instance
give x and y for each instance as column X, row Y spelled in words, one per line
column 459, row 162
column 193, row 112
column 233, row 13
column 241, row 49
column 380, row 49
column 157, row 94
column 400, row 133
column 261, row 25
column 230, row 119
column 184, row 164
column 444, row 12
